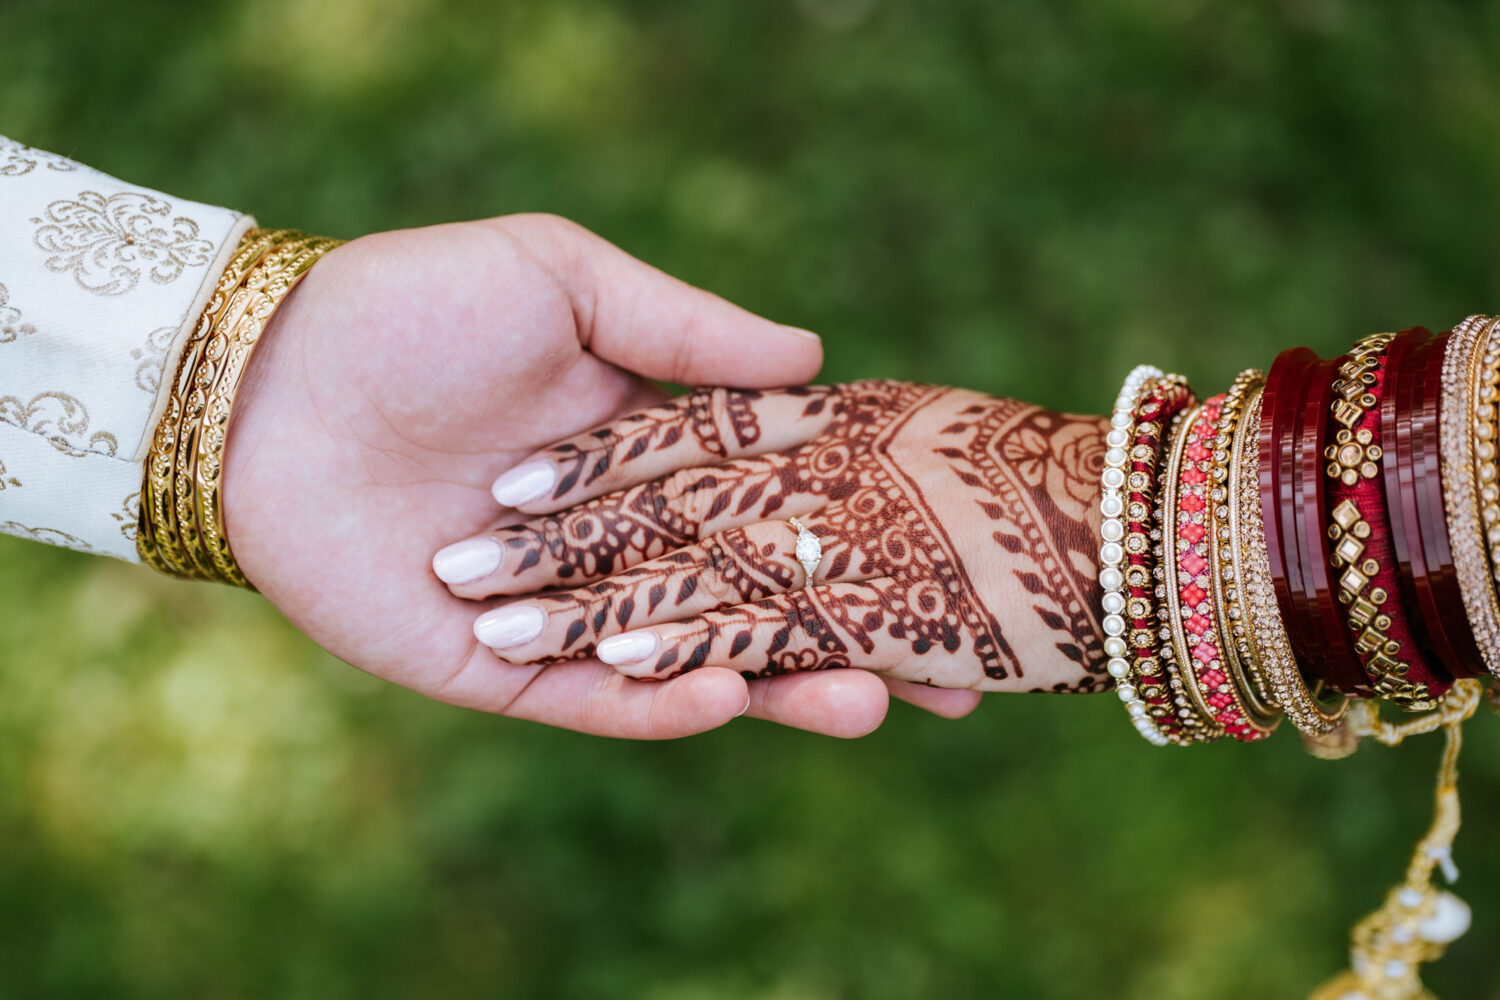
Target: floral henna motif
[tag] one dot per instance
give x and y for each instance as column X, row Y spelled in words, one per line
column 1036, row 475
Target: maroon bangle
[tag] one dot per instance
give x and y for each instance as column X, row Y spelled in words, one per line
column 1160, row 403
column 1442, row 576
column 1405, row 418
column 1359, row 531
column 1280, row 401
column 1395, row 431
column 1336, row 659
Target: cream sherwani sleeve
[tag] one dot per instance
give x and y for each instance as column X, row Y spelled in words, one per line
column 100, row 284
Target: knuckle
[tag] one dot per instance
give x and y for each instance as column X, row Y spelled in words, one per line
column 690, row 494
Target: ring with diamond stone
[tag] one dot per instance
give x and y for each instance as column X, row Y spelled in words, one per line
column 809, row 549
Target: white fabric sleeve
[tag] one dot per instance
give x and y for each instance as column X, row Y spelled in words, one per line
column 100, row 285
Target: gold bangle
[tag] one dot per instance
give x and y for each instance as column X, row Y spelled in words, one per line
column 267, row 285
column 1267, row 634
column 206, row 358
column 158, row 541
column 182, row 527
column 1243, row 668
column 1466, row 474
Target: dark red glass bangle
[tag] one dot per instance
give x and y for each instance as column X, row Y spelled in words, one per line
column 1395, row 431
column 1442, row 576
column 1285, row 383
column 1337, row 661
column 1405, row 418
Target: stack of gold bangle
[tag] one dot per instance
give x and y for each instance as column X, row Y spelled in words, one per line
column 182, row 515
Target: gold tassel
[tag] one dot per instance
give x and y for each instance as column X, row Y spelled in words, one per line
column 1418, row 921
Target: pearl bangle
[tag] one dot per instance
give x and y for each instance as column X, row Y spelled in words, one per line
column 1112, row 555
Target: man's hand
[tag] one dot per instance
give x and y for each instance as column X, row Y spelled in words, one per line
column 408, row 371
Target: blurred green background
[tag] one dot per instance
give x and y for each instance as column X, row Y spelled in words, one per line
column 1021, row 197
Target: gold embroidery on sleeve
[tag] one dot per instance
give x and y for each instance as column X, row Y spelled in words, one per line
column 17, row 159
column 11, row 326
column 61, row 420
column 7, row 481
column 106, row 243
column 151, row 357
column 47, row 536
column 129, row 515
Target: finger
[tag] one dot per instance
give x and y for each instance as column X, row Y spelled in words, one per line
column 815, row 628
column 950, row 703
column 702, row 428
column 842, row 703
column 588, row 697
column 613, row 533
column 734, row 567
column 635, row 316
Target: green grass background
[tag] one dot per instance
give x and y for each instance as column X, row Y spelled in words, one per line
column 1020, row 196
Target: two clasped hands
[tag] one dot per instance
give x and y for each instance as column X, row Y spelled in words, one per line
column 634, row 570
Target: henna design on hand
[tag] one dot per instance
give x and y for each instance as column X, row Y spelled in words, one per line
column 957, row 534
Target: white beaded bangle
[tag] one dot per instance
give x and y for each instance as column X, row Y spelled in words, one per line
column 1112, row 551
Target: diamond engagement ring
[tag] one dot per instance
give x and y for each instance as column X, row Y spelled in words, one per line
column 809, row 549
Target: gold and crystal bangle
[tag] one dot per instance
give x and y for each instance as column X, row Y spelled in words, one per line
column 1268, row 641
column 1354, row 455
column 1243, row 667
column 182, row 529
column 1466, row 399
column 1487, row 444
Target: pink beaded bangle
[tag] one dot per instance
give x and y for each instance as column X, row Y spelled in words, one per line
column 1194, row 626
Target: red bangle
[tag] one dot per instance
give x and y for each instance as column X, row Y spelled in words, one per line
column 1335, row 659
column 1161, row 402
column 1405, row 420
column 1279, row 402
column 1442, row 576
column 1359, row 528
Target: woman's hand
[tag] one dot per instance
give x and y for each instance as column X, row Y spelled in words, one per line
column 401, row 377
column 958, row 536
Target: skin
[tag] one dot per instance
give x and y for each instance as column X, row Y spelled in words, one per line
column 958, row 534
column 404, row 374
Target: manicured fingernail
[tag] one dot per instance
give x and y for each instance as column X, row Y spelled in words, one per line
column 507, row 627
column 467, row 561
column 632, row 647
column 745, row 709
column 524, row 483
column 803, row 333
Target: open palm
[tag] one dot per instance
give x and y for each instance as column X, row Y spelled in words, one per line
column 410, row 369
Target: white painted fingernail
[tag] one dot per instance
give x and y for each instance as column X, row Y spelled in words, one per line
column 524, row 483
column 632, row 647
column 467, row 561
column 803, row 333
column 512, row 626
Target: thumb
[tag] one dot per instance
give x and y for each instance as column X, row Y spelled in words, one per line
column 645, row 321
